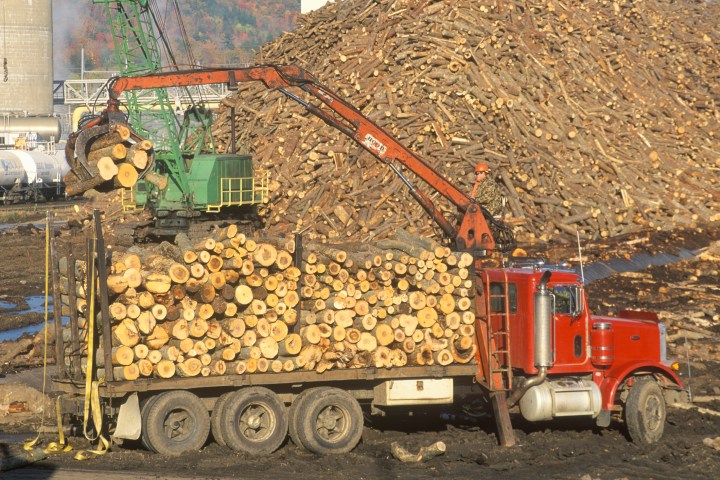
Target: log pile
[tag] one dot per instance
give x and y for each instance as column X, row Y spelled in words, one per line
column 115, row 161
column 234, row 305
column 589, row 118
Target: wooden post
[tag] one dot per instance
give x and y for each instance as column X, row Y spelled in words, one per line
column 104, row 303
column 297, row 262
column 74, row 340
column 502, row 419
column 57, row 301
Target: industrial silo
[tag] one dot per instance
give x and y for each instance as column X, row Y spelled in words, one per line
column 26, row 73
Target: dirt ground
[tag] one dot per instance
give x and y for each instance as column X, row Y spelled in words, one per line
column 564, row 450
column 561, row 450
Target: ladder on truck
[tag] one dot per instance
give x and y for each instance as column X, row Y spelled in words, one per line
column 493, row 339
column 494, row 334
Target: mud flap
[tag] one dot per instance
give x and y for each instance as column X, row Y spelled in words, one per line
column 603, row 420
column 129, row 425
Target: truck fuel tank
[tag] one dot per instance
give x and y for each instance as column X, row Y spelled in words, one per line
column 561, row 398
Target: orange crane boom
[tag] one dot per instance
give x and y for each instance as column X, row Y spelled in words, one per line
column 472, row 231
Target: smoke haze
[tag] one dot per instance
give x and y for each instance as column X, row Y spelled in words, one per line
column 67, row 15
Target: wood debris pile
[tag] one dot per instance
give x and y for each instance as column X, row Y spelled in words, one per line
column 598, row 115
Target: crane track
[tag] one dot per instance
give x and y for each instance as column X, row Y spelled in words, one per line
column 38, row 207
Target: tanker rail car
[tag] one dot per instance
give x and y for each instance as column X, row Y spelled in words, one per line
column 32, row 175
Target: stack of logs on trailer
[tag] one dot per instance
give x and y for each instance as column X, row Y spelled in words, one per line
column 238, row 305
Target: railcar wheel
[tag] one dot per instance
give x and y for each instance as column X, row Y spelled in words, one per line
column 254, row 421
column 645, row 411
column 177, row 422
column 330, row 421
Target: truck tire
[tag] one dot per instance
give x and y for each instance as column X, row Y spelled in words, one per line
column 216, row 418
column 294, row 418
column 645, row 411
column 177, row 422
column 330, row 421
column 254, row 421
column 145, row 405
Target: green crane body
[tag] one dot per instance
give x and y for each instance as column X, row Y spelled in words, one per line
column 201, row 181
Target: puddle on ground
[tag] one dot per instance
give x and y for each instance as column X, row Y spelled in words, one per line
column 35, row 304
column 38, row 225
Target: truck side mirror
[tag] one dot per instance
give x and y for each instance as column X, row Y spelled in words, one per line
column 579, row 301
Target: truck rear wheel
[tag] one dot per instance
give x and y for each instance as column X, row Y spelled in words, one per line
column 177, row 422
column 329, row 420
column 145, row 405
column 216, row 418
column 645, row 411
column 254, row 421
column 294, row 418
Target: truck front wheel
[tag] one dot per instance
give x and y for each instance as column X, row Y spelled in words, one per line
column 645, row 411
column 254, row 421
column 329, row 420
column 177, row 422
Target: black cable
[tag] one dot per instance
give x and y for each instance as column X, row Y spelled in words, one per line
column 154, row 14
column 183, row 33
column 5, row 62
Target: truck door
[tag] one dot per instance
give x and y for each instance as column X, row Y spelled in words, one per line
column 571, row 326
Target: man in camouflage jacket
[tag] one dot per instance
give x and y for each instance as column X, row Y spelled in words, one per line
column 486, row 191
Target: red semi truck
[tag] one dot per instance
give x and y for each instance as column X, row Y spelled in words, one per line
column 538, row 350
column 538, row 347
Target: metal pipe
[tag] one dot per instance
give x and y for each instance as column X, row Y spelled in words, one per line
column 518, row 394
column 233, row 147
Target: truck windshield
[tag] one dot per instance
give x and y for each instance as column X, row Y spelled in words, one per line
column 566, row 299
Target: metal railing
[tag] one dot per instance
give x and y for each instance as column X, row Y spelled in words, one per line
column 94, row 91
column 237, row 192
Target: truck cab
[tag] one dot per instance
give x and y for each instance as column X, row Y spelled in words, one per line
column 557, row 359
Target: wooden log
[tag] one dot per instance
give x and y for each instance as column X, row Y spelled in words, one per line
column 123, row 355
column 290, row 346
column 137, row 157
column 265, row 254
column 145, row 367
column 157, row 338
column 145, row 322
column 160, row 181
column 154, row 356
column 189, row 368
column 157, row 283
column 165, row 369
column 115, row 152
column 127, row 176
column 126, row 333
column 384, row 334
column 107, row 169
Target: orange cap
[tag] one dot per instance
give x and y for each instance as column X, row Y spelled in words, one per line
column 482, row 167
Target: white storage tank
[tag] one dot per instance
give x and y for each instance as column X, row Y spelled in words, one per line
column 45, row 129
column 26, row 70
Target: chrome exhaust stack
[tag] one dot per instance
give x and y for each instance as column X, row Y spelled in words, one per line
column 543, row 338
